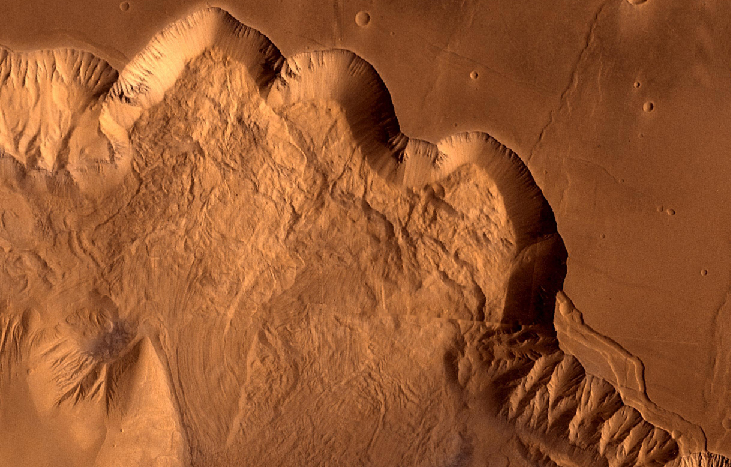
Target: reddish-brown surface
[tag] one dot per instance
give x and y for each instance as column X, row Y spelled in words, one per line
column 618, row 110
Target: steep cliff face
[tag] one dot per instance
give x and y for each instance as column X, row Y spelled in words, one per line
column 222, row 257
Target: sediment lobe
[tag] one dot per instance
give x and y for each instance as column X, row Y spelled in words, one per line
column 260, row 268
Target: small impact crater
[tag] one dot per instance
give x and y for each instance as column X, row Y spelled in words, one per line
column 362, row 18
column 727, row 423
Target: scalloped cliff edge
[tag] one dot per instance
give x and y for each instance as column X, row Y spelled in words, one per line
column 69, row 135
